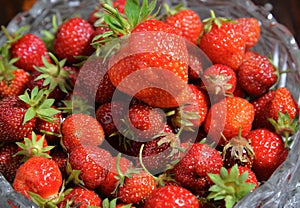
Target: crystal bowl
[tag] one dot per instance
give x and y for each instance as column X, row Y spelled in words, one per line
column 276, row 41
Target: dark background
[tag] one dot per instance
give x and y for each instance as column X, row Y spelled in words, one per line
column 285, row 11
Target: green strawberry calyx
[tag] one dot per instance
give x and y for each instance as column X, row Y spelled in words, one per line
column 6, row 64
column 230, row 187
column 38, row 105
column 213, row 20
column 106, row 203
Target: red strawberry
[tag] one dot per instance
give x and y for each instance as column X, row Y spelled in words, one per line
column 195, row 69
column 93, row 163
column 9, row 163
column 105, row 90
column 192, row 115
column 29, row 49
column 223, row 42
column 251, row 28
column 232, row 185
column 256, row 75
column 187, row 22
column 60, row 156
column 219, row 79
column 73, row 38
column 269, row 150
column 120, row 5
column 81, row 130
column 191, row 171
column 227, row 117
column 81, row 198
column 170, row 197
column 38, row 175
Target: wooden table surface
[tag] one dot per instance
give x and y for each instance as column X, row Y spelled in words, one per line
column 286, row 12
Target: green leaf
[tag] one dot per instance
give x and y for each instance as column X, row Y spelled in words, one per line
column 47, row 112
column 229, row 201
column 132, row 11
column 25, row 97
column 47, row 103
column 30, row 114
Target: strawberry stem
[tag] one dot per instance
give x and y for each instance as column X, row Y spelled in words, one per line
column 142, row 164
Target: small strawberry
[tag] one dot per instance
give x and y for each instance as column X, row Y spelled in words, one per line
column 34, row 145
column 269, row 150
column 191, row 171
column 223, row 41
column 232, row 185
column 92, row 162
column 19, row 114
column 73, row 39
column 9, row 163
column 256, row 75
column 186, row 21
column 170, row 197
column 81, row 198
column 38, row 175
column 81, row 130
column 225, row 118
column 251, row 28
column 219, row 79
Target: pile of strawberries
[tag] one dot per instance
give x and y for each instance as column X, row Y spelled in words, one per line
column 129, row 108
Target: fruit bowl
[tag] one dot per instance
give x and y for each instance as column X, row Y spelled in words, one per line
column 276, row 42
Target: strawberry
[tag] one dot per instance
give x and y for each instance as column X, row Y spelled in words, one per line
column 192, row 115
column 269, row 150
column 186, row 21
column 223, row 41
column 81, row 130
column 20, row 113
column 93, row 163
column 9, row 162
column 120, row 5
column 256, row 75
column 232, row 185
column 38, row 175
column 73, row 39
column 195, row 68
column 34, row 145
column 171, row 196
column 251, row 28
column 60, row 156
column 105, row 90
column 191, row 171
column 227, row 117
column 219, row 79
column 81, row 198
column 29, row 49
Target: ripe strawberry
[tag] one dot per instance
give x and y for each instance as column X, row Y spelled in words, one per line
column 219, row 79
column 73, row 39
column 187, row 22
column 232, row 185
column 9, row 162
column 251, row 28
column 192, row 115
column 120, row 5
column 195, row 68
column 143, row 122
column 223, row 42
column 81, row 198
column 105, row 90
column 29, row 49
column 34, row 145
column 269, row 150
column 60, row 156
column 227, row 117
column 81, row 130
column 171, row 196
column 38, row 175
column 256, row 75
column 19, row 114
column 191, row 171
column 93, row 163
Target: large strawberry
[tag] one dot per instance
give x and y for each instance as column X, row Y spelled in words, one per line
column 256, row 75
column 38, row 175
column 191, row 171
column 73, row 39
column 19, row 114
column 251, row 28
column 93, row 163
column 187, row 21
column 170, row 197
column 225, row 118
column 223, row 41
column 81, row 130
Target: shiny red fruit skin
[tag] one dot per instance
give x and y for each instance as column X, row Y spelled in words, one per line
column 269, row 150
column 251, row 28
column 38, row 175
column 170, row 197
